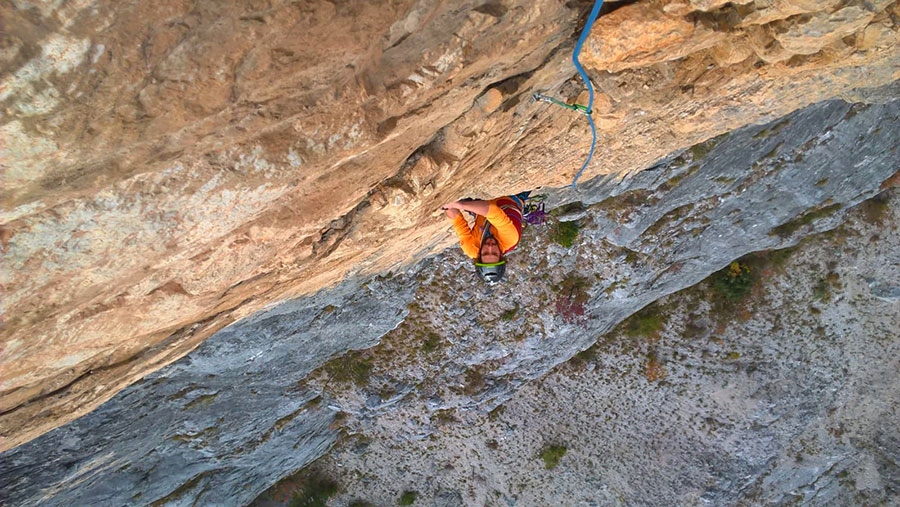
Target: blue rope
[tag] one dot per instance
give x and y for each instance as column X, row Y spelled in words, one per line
column 587, row 81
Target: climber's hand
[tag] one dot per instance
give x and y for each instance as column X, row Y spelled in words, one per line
column 451, row 213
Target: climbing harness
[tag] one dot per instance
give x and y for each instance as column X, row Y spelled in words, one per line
column 586, row 110
column 533, row 212
column 532, row 206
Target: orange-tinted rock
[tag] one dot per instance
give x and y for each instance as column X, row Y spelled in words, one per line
column 171, row 167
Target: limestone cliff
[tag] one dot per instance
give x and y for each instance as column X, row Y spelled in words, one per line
column 405, row 358
column 172, row 167
column 785, row 394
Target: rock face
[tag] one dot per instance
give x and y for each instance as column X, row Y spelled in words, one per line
column 787, row 395
column 243, row 410
column 209, row 427
column 172, row 167
column 169, row 168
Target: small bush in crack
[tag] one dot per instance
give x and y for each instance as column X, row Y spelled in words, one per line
column 572, row 297
column 431, row 342
column 699, row 151
column 315, row 493
column 510, row 314
column 648, row 321
column 822, row 290
column 496, row 412
column 564, row 233
column 734, row 282
column 551, row 455
column 351, row 367
column 408, row 498
column 444, row 416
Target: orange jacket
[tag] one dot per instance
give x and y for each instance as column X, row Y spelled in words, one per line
column 505, row 216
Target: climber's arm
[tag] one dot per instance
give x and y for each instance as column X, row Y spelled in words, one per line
column 466, row 239
column 477, row 207
column 507, row 234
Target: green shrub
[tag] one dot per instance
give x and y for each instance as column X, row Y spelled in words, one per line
column 822, row 290
column 353, row 367
column 408, row 498
column 431, row 342
column 510, row 314
column 699, row 151
column 582, row 358
column 315, row 493
column 572, row 297
column 444, row 416
column 646, row 322
column 733, row 282
column 551, row 455
column 564, row 233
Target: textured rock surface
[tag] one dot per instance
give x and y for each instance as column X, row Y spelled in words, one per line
column 174, row 166
column 216, row 427
column 792, row 399
column 243, row 410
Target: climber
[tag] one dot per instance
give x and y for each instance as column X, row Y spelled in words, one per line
column 488, row 244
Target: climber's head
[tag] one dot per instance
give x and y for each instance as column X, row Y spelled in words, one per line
column 490, row 265
column 491, row 272
column 490, row 251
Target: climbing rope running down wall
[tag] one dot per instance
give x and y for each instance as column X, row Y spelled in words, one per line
column 586, row 110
